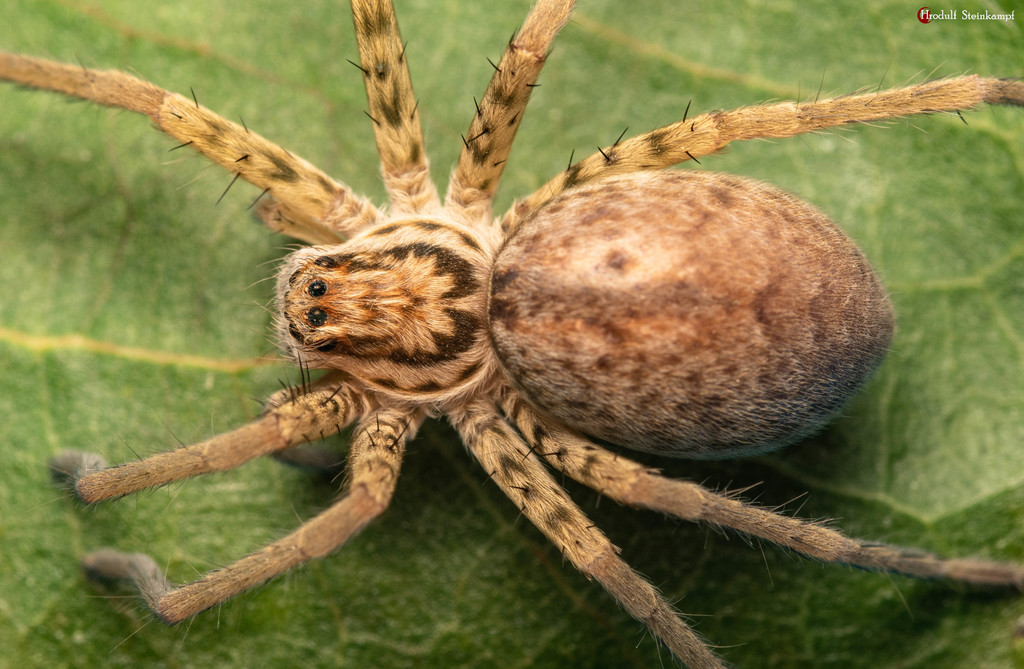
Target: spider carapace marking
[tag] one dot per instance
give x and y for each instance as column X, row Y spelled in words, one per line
column 400, row 307
column 691, row 314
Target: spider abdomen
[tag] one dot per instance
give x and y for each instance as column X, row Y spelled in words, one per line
column 686, row 313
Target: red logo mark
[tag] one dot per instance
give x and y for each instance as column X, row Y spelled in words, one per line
column 924, row 15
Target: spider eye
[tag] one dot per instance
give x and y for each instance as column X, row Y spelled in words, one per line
column 316, row 317
column 317, row 288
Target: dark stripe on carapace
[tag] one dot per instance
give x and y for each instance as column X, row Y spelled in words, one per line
column 429, row 386
column 386, row 230
column 386, row 383
column 465, row 334
column 447, row 262
column 429, row 226
column 327, row 262
column 468, row 372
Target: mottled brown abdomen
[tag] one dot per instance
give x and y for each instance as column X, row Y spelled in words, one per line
column 687, row 313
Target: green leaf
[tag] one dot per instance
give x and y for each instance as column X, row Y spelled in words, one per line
column 132, row 318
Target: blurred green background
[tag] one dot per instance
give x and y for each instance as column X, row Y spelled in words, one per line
column 132, row 318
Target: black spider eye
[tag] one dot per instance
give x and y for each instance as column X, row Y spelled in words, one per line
column 317, row 288
column 316, row 317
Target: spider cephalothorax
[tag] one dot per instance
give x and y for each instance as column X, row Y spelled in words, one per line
column 695, row 314
column 400, row 307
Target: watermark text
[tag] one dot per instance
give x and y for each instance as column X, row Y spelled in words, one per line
column 927, row 15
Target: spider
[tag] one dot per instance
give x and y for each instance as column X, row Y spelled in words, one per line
column 427, row 311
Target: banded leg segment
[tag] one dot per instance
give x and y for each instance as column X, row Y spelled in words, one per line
column 299, row 419
column 375, row 459
column 393, row 108
column 630, row 483
column 301, row 191
column 530, row 486
column 710, row 133
column 498, row 114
